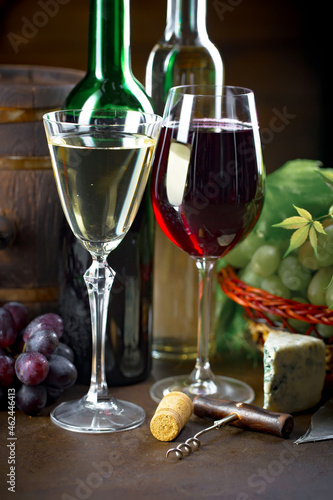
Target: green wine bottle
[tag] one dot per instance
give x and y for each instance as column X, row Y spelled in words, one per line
column 109, row 83
column 184, row 55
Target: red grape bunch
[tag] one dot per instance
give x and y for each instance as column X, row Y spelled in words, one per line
column 33, row 359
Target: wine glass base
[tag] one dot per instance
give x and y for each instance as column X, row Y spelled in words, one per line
column 221, row 387
column 110, row 416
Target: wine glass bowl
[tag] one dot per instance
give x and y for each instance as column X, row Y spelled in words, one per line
column 101, row 161
column 207, row 192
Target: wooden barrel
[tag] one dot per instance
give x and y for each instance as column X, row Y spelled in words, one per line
column 30, row 211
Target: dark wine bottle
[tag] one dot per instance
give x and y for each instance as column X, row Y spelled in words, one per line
column 109, row 83
column 184, row 55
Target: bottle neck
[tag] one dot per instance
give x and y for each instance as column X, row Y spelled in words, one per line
column 186, row 21
column 109, row 39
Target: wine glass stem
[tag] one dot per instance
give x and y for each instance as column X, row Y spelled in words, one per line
column 202, row 371
column 99, row 279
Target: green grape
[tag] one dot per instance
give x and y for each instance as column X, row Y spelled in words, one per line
column 241, row 255
column 307, row 258
column 273, row 284
column 265, row 260
column 237, row 258
column 281, row 244
column 325, row 248
column 252, row 242
column 329, row 296
column 298, row 298
column 318, row 284
column 326, row 331
column 293, row 275
column 324, row 257
column 249, row 277
column 297, row 324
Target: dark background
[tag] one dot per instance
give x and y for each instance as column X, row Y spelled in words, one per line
column 276, row 48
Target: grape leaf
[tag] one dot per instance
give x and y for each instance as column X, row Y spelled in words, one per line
column 327, row 176
column 319, row 227
column 303, row 213
column 298, row 238
column 313, row 238
column 292, row 223
column 305, row 227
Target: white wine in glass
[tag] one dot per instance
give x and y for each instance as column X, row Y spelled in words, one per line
column 101, row 162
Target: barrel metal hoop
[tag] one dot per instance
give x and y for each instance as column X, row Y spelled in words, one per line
column 41, row 294
column 22, row 115
column 25, row 162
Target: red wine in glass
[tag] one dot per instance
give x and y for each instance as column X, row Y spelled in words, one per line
column 222, row 186
column 207, row 190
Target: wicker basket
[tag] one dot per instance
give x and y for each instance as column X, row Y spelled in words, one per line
column 261, row 307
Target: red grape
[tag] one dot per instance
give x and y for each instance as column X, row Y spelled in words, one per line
column 7, row 369
column 8, row 331
column 48, row 321
column 33, row 359
column 62, row 372
column 52, row 394
column 65, row 351
column 19, row 344
column 31, row 399
column 31, row 368
column 44, row 341
column 19, row 314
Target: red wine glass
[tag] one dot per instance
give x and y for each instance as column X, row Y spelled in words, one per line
column 207, row 191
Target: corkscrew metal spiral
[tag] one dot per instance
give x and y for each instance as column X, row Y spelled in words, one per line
column 193, row 443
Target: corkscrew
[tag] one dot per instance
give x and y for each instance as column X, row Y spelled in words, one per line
column 193, row 443
column 236, row 413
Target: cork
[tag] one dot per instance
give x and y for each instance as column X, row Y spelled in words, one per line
column 171, row 415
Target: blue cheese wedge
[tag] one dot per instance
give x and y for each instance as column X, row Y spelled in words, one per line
column 294, row 371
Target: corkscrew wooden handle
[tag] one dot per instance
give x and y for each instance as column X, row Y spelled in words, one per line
column 249, row 416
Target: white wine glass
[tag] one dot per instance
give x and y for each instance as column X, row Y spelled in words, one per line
column 101, row 162
column 207, row 190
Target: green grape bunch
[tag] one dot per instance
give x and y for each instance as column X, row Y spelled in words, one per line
column 299, row 267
